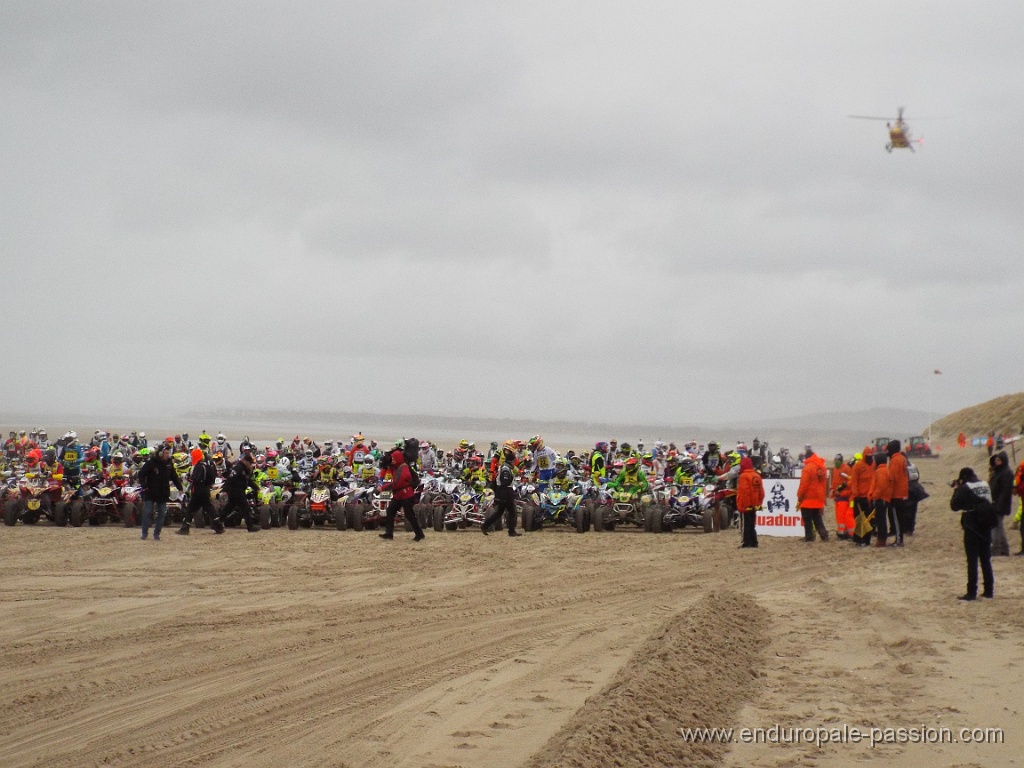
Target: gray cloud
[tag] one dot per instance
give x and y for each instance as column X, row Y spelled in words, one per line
column 574, row 210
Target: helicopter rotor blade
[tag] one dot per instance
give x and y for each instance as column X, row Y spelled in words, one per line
column 868, row 117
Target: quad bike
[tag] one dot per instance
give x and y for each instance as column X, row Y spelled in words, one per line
column 270, row 497
column 468, row 507
column 619, row 505
column 35, row 499
column 99, row 501
column 176, row 505
column 315, row 508
column 723, row 504
column 690, row 506
column 555, row 506
column 358, row 505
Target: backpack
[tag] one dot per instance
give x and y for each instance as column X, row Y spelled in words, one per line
column 411, row 451
column 913, row 473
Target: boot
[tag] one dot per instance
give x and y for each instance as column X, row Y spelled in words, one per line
column 183, row 531
column 252, row 528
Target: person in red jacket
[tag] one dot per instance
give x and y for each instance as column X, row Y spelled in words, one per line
column 900, row 477
column 839, row 490
column 749, row 499
column 861, row 475
column 403, row 492
column 811, row 494
column 881, row 498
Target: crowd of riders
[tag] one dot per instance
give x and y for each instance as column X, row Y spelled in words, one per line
column 117, row 458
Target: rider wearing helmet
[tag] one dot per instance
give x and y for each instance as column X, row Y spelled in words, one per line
column 598, row 462
column 324, row 472
column 543, row 461
column 562, row 479
column 713, row 462
column 358, row 451
column 117, row 472
column 631, row 479
column 93, row 465
column 473, row 474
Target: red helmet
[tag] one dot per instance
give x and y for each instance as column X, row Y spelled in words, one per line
column 631, row 462
column 92, row 454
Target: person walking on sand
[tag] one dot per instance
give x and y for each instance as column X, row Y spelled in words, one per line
column 403, row 492
column 990, row 444
column 1000, row 481
column 204, row 473
column 504, row 496
column 811, row 495
column 973, row 499
column 156, row 477
column 236, row 484
column 961, row 440
column 749, row 500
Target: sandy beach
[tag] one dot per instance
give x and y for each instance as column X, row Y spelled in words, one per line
column 327, row 648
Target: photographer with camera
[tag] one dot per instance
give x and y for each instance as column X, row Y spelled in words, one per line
column 973, row 498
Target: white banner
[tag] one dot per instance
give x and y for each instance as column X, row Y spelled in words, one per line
column 780, row 516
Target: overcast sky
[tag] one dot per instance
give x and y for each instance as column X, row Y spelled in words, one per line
column 583, row 210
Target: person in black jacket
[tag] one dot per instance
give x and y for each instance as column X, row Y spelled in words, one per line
column 970, row 498
column 204, row 473
column 238, row 480
column 1000, row 480
column 504, row 496
column 156, row 477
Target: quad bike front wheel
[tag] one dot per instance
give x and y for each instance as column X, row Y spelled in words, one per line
column 293, row 518
column 708, row 521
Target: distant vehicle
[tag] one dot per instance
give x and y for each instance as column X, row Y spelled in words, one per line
column 899, row 131
column 918, row 447
column 880, row 443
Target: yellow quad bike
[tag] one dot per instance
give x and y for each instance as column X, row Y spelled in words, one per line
column 620, row 505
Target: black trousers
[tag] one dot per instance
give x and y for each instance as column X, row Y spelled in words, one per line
column 241, row 502
column 750, row 529
column 978, row 548
column 898, row 518
column 813, row 520
column 503, row 506
column 201, row 500
column 405, row 504
column 881, row 519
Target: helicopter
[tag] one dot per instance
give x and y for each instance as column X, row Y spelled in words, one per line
column 899, row 131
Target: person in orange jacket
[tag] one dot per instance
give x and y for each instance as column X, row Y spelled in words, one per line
column 839, row 492
column 961, row 440
column 881, row 498
column 861, row 475
column 811, row 495
column 749, row 499
column 900, row 477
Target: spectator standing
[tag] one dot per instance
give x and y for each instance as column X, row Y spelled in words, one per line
column 811, row 495
column 899, row 474
column 881, row 496
column 972, row 497
column 749, row 500
column 861, row 476
column 504, row 496
column 839, row 490
column 1000, row 482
